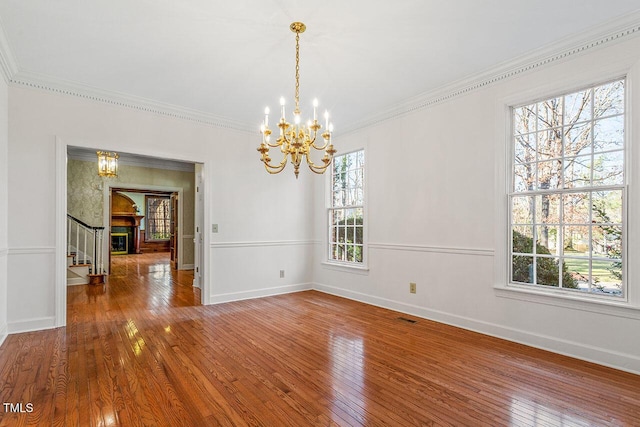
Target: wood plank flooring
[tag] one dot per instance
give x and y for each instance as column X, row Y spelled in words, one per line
column 140, row 350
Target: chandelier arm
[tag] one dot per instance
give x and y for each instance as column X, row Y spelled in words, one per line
column 326, row 142
column 272, row 169
column 316, row 168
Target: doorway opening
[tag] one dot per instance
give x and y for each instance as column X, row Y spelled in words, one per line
column 160, row 239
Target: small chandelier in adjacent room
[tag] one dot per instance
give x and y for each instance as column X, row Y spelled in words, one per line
column 107, row 164
column 296, row 140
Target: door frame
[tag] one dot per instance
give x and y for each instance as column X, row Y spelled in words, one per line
column 60, row 256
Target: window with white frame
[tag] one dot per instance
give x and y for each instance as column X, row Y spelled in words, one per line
column 346, row 211
column 567, row 198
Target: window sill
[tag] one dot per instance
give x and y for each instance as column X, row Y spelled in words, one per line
column 347, row 268
column 566, row 300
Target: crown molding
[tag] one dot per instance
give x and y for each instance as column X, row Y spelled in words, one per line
column 603, row 35
column 119, row 99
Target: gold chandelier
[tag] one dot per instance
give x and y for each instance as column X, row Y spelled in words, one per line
column 107, row 164
column 296, row 140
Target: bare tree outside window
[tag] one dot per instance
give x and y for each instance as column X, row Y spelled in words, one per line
column 568, row 190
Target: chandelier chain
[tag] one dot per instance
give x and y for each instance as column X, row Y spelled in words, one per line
column 297, row 110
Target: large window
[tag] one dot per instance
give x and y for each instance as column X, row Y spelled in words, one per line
column 158, row 220
column 346, row 211
column 568, row 195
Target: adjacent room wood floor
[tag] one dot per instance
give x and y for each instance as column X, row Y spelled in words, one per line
column 142, row 351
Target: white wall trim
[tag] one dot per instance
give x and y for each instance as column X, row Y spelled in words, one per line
column 252, row 244
column 4, row 251
column 39, row 250
column 436, row 249
column 30, row 325
column 259, row 293
column 601, row 356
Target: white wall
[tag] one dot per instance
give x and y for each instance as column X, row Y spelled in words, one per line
column 259, row 216
column 4, row 201
column 436, row 202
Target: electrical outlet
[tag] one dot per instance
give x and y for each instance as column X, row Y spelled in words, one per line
column 412, row 288
column 282, row 274
column 214, row 228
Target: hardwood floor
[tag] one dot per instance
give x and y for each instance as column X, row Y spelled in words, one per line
column 142, row 351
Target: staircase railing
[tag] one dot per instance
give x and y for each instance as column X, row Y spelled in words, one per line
column 85, row 242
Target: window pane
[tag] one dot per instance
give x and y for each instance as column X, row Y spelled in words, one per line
column 608, row 167
column 358, row 238
column 607, row 207
column 525, row 148
column 609, row 99
column 547, row 240
column 522, row 210
column 576, row 241
column 577, row 140
column 549, row 175
column 606, row 241
column 524, row 177
column 550, row 144
column 524, row 119
column 577, row 107
column 609, row 134
column 548, row 209
column 576, row 275
column 547, row 271
column 577, row 172
column 576, row 208
column 522, row 269
column 606, row 277
column 522, row 239
column 550, row 113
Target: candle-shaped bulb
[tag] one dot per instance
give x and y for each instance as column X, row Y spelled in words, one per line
column 330, row 127
column 282, row 106
column 266, row 117
column 315, row 107
column 326, row 119
column 296, row 118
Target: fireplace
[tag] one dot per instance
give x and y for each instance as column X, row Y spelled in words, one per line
column 119, row 243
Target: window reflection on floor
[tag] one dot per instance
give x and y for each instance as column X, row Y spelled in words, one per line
column 347, row 357
column 525, row 411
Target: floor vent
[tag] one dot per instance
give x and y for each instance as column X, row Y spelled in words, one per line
column 404, row 319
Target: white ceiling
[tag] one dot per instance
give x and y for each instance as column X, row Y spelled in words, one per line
column 230, row 59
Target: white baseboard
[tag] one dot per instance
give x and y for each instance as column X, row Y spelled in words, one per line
column 259, row 293
column 186, row 267
column 31, row 325
column 3, row 333
column 601, row 356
